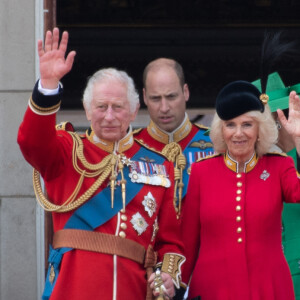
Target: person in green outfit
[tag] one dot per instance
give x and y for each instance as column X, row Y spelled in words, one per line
column 279, row 99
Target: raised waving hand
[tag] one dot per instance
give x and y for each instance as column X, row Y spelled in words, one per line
column 292, row 124
column 54, row 63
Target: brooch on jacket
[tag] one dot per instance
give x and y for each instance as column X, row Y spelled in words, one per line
column 264, row 175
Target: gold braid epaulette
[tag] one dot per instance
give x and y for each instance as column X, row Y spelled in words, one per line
column 174, row 153
column 137, row 130
column 208, row 157
column 200, row 126
column 102, row 169
column 277, row 153
column 142, row 143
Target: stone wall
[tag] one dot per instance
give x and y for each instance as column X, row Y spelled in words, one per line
column 18, row 255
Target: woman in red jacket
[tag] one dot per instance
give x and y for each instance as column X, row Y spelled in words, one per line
column 232, row 217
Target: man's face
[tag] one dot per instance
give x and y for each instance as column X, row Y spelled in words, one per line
column 165, row 98
column 109, row 113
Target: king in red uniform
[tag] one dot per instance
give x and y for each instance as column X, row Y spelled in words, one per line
column 111, row 197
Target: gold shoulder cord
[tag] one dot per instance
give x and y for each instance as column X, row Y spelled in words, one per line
column 103, row 168
column 174, row 154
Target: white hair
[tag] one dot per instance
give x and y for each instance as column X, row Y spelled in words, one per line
column 267, row 132
column 111, row 73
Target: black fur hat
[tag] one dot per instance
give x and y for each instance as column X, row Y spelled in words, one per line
column 237, row 98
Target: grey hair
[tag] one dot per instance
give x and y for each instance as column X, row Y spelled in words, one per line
column 267, row 132
column 111, row 73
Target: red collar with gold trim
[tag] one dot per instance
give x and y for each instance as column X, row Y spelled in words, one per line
column 168, row 137
column 234, row 165
column 119, row 147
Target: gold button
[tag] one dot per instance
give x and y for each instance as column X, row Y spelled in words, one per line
column 123, row 217
column 238, row 208
column 238, row 175
column 123, row 226
column 239, row 192
column 238, row 218
column 239, row 230
column 239, row 240
column 239, row 184
column 122, row 234
column 238, row 198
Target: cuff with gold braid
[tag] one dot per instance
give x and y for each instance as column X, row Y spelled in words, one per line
column 171, row 264
column 45, row 104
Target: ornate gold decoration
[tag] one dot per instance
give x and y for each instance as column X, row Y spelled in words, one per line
column 124, row 144
column 113, row 178
column 234, row 165
column 168, row 137
column 155, row 230
column 201, row 144
column 67, row 126
column 172, row 265
column 174, row 154
column 264, row 98
column 123, row 184
column 102, row 169
column 51, row 274
column 159, row 285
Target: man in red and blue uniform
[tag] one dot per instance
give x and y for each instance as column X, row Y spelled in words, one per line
column 170, row 130
column 110, row 197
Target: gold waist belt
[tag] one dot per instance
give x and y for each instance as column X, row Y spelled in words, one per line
column 99, row 242
column 108, row 244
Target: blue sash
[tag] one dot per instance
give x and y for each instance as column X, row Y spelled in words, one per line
column 96, row 212
column 193, row 153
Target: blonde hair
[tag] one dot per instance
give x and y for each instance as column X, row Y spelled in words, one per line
column 267, row 132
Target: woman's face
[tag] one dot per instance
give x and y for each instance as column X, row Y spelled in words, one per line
column 240, row 135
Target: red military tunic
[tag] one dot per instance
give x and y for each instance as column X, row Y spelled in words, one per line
column 85, row 274
column 156, row 138
column 192, row 139
column 231, row 228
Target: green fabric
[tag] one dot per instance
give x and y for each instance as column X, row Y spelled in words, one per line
column 279, row 99
column 207, row 132
column 296, row 279
column 278, row 93
column 293, row 155
column 291, row 242
column 291, row 236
